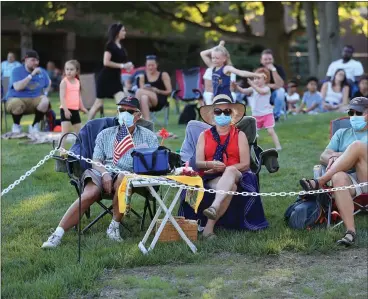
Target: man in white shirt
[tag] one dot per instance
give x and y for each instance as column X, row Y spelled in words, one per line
column 353, row 68
column 8, row 65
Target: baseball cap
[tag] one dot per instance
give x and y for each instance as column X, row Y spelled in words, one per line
column 130, row 101
column 359, row 104
column 31, row 54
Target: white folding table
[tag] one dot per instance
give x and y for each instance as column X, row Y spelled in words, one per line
column 149, row 184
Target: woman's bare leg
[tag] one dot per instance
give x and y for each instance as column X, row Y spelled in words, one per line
column 147, row 99
column 95, row 108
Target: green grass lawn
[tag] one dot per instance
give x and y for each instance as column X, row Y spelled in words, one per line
column 35, row 207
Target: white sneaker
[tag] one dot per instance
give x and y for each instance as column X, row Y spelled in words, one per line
column 113, row 233
column 53, row 241
column 16, row 128
column 33, row 129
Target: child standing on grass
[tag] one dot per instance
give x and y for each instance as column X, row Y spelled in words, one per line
column 70, row 99
column 218, row 58
column 259, row 95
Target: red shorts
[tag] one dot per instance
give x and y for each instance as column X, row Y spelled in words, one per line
column 265, row 121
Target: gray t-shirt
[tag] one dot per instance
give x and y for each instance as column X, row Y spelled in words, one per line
column 310, row 98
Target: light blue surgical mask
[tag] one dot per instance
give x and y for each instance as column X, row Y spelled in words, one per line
column 222, row 120
column 358, row 122
column 127, row 118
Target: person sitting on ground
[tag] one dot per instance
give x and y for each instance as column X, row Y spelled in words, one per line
column 346, row 161
column 8, row 65
column 154, row 88
column 312, row 99
column 259, row 99
column 292, row 96
column 54, row 75
column 222, row 155
column 98, row 180
column 28, row 86
column 335, row 93
column 363, row 88
column 353, row 68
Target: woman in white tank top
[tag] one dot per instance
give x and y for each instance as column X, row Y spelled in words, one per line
column 335, row 93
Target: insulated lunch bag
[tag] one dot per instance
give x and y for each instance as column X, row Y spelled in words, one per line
column 151, row 161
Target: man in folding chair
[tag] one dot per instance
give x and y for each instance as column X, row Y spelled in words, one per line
column 114, row 146
column 347, row 150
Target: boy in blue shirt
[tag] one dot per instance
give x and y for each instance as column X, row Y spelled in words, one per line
column 312, row 98
column 26, row 93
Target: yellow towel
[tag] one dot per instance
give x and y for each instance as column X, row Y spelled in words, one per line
column 187, row 180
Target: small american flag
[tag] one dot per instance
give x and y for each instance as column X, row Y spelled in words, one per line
column 123, row 142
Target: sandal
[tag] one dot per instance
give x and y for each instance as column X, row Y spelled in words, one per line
column 209, row 237
column 347, row 241
column 210, row 213
column 307, row 185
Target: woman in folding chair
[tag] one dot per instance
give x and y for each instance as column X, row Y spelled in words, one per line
column 222, row 155
column 348, row 149
column 154, row 88
column 114, row 146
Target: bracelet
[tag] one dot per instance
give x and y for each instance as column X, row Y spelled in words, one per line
column 30, row 76
column 106, row 172
column 122, row 65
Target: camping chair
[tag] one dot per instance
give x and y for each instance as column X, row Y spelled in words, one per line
column 88, row 91
column 84, row 145
column 189, row 86
column 4, row 91
column 360, row 202
column 259, row 158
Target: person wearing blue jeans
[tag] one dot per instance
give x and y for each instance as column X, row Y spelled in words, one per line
column 276, row 84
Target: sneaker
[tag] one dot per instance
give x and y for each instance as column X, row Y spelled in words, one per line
column 33, row 129
column 16, row 128
column 53, row 241
column 113, row 233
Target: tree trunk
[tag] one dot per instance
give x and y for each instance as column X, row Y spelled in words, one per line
column 26, row 42
column 275, row 36
column 333, row 29
column 324, row 48
column 312, row 38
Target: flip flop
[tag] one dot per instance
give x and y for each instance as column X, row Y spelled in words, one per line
column 307, row 186
column 209, row 237
column 210, row 213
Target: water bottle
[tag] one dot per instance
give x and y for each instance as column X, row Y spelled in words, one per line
column 317, row 169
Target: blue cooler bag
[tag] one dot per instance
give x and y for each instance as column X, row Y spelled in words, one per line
column 151, row 161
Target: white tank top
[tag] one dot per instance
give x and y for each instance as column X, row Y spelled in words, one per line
column 332, row 97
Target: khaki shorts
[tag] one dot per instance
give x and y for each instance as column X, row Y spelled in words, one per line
column 354, row 179
column 27, row 105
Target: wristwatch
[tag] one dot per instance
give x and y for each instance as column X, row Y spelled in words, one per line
column 273, row 69
column 30, row 76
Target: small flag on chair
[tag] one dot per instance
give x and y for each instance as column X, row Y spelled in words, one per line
column 123, row 142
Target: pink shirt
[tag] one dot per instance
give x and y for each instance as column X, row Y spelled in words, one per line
column 72, row 94
column 260, row 103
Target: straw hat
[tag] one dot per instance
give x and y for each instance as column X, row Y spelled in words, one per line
column 238, row 110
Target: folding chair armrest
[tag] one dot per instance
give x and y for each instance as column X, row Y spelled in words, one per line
column 198, row 93
column 174, row 94
column 268, row 158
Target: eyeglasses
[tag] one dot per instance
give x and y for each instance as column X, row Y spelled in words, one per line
column 353, row 112
column 131, row 111
column 226, row 112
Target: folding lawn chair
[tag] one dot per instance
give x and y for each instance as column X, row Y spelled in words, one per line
column 189, row 86
column 84, row 145
column 88, row 91
column 233, row 218
column 360, row 202
column 4, row 91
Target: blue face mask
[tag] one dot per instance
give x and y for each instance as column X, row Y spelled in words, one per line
column 358, row 122
column 127, row 118
column 222, row 120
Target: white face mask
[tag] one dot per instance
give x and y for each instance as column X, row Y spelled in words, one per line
column 126, row 118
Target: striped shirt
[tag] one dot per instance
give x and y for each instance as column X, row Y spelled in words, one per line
column 104, row 148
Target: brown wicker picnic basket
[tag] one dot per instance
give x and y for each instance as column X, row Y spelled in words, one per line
column 170, row 234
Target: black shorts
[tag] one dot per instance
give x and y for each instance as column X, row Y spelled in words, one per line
column 74, row 119
column 161, row 103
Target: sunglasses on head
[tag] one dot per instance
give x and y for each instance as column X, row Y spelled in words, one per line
column 353, row 112
column 131, row 111
column 226, row 112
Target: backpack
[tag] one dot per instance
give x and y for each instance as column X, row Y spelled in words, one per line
column 308, row 211
column 50, row 122
column 189, row 113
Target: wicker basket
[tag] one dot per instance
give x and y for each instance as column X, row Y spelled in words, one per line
column 170, row 234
